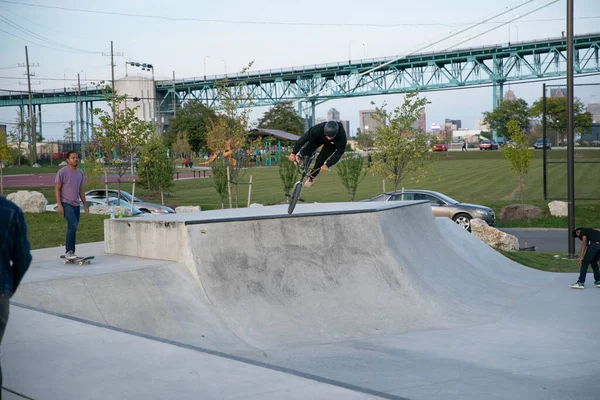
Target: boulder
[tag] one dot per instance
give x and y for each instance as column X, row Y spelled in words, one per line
column 253, row 205
column 29, row 202
column 187, row 209
column 36, row 165
column 519, row 211
column 493, row 237
column 559, row 208
column 105, row 210
column 63, row 164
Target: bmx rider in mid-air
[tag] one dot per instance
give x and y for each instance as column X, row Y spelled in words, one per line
column 332, row 136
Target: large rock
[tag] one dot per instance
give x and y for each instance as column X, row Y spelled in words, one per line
column 187, row 209
column 254, row 205
column 559, row 208
column 63, row 164
column 30, row 202
column 493, row 237
column 519, row 211
column 105, row 210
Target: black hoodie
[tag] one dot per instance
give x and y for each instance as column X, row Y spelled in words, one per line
column 316, row 135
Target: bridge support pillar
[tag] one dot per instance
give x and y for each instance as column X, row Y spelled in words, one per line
column 77, row 133
column 40, row 119
column 312, row 113
column 498, row 97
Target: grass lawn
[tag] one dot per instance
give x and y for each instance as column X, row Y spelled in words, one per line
column 542, row 261
column 48, row 229
column 481, row 177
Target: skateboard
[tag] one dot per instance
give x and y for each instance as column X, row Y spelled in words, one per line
column 80, row 260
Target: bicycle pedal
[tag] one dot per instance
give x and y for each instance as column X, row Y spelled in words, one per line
column 288, row 195
column 300, row 199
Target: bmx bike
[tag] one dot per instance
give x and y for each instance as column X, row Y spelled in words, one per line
column 303, row 167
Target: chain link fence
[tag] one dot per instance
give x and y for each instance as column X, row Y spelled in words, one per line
column 587, row 141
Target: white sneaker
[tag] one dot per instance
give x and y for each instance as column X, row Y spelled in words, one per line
column 70, row 256
column 309, row 182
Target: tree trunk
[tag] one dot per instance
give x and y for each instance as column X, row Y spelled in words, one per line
column 1, row 178
column 521, row 187
column 148, row 177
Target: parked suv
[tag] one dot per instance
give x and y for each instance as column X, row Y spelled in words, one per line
column 539, row 144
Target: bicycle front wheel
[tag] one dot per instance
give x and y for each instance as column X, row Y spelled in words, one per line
column 295, row 196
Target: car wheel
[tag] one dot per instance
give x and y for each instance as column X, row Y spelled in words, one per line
column 464, row 220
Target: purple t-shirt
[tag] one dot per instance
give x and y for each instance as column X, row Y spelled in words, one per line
column 71, row 183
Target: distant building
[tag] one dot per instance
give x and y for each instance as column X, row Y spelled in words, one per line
column 558, row 92
column 594, row 109
column 140, row 92
column 366, row 120
column 510, row 95
column 346, row 125
column 422, row 121
column 333, row 115
column 470, row 135
column 456, row 122
column 481, row 125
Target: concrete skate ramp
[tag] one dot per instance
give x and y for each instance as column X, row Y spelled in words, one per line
column 253, row 279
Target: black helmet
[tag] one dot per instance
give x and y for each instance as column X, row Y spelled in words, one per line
column 331, row 129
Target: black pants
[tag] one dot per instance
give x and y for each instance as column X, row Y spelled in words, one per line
column 326, row 152
column 591, row 256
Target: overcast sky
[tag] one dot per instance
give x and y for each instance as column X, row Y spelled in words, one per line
column 185, row 35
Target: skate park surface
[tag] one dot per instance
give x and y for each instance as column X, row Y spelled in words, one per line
column 336, row 301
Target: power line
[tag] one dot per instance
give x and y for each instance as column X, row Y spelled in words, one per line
column 42, row 38
column 250, row 22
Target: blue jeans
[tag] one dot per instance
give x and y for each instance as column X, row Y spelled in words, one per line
column 591, row 256
column 72, row 217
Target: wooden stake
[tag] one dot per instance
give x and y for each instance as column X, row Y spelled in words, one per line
column 249, row 191
column 229, row 187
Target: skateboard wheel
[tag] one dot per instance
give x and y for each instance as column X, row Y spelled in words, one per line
column 202, row 230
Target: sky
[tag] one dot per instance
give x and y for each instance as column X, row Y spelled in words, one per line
column 193, row 38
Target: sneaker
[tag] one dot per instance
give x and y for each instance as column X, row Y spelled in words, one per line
column 577, row 285
column 597, row 283
column 309, row 182
column 70, row 256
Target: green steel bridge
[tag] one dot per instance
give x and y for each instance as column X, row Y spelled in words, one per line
column 482, row 66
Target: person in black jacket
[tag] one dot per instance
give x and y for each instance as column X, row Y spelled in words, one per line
column 332, row 136
column 15, row 257
column 590, row 254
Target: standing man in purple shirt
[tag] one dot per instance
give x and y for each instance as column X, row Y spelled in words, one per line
column 68, row 188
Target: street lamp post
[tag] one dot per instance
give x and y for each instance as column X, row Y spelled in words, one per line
column 225, row 64
column 205, row 57
column 148, row 67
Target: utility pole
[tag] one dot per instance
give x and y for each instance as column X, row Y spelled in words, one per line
column 570, row 133
column 32, row 138
column 174, row 97
column 80, row 117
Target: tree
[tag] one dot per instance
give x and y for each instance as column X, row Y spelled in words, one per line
column 288, row 172
column 365, row 139
column 182, row 146
column 120, row 129
column 228, row 131
column 351, row 171
column 219, row 179
column 399, row 150
column 192, row 121
column 5, row 155
column 70, row 132
column 283, row 117
column 508, row 110
column 156, row 167
column 18, row 134
column 556, row 115
column 93, row 168
column 518, row 154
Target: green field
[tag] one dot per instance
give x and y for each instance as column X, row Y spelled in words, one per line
column 481, row 177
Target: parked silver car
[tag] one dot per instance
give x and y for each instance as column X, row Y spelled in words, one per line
column 144, row 206
column 444, row 206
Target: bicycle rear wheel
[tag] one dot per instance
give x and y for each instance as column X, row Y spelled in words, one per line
column 295, row 196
